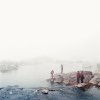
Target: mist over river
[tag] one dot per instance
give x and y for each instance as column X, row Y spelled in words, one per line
column 30, row 75
column 34, row 74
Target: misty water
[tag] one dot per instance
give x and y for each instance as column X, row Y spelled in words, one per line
column 35, row 75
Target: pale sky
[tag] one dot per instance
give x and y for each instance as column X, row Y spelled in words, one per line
column 61, row 29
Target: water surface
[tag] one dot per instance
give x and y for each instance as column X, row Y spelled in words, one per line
column 33, row 75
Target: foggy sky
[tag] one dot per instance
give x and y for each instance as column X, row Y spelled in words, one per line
column 61, row 29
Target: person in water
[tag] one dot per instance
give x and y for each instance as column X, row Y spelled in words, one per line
column 52, row 74
column 78, row 76
column 82, row 76
column 61, row 68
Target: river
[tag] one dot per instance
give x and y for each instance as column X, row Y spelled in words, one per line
column 33, row 76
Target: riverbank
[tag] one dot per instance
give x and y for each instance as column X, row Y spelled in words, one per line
column 90, row 79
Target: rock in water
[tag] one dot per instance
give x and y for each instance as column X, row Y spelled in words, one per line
column 45, row 91
column 71, row 78
column 95, row 80
column 80, row 85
